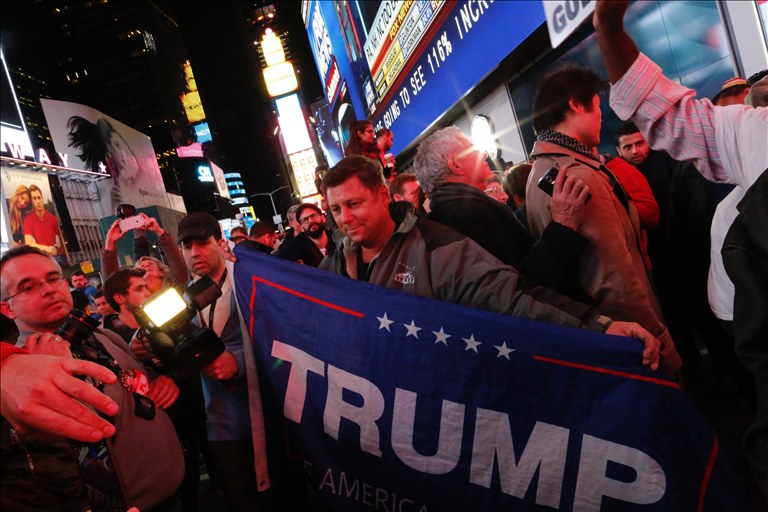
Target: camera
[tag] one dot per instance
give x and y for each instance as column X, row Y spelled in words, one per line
column 123, row 211
column 166, row 321
column 128, row 218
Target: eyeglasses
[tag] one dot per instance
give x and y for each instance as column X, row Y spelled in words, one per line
column 369, row 130
column 31, row 287
column 494, row 190
column 237, row 239
column 308, row 218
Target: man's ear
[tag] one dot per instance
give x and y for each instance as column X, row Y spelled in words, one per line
column 119, row 298
column 576, row 107
column 453, row 165
column 384, row 193
column 397, row 197
column 6, row 309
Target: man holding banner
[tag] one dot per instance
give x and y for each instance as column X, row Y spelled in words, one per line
column 431, row 260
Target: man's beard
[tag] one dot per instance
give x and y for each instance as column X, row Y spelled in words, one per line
column 315, row 230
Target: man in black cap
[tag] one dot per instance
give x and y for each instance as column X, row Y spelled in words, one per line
column 224, row 380
column 314, row 242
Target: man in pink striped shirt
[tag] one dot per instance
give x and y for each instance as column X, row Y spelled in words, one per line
column 726, row 144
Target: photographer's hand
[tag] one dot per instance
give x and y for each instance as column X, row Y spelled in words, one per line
column 113, row 235
column 41, row 393
column 140, row 348
column 163, row 391
column 151, row 224
column 223, row 367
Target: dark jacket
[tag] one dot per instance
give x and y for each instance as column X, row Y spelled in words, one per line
column 745, row 255
column 303, row 248
column 552, row 261
column 430, row 260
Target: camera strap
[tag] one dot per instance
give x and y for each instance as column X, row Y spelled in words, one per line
column 134, row 381
column 213, row 305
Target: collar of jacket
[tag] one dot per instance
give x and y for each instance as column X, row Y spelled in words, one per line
column 405, row 220
column 564, row 157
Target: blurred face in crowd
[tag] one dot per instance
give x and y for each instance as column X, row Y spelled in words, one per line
column 312, row 223
column 204, row 257
column 103, row 307
column 135, row 295
column 37, row 202
column 79, row 282
column 633, row 148
column 367, row 134
column 44, row 300
column 385, row 141
column 238, row 235
column 152, row 275
column 736, row 99
column 493, row 188
column 410, row 193
column 361, row 213
column 469, row 165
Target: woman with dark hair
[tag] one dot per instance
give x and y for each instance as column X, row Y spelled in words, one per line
column 100, row 143
column 20, row 204
column 362, row 140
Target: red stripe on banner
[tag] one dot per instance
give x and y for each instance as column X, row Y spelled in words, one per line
column 597, row 369
column 708, row 472
column 303, row 296
column 250, row 307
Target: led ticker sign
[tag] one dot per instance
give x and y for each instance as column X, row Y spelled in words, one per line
column 280, row 79
column 421, row 56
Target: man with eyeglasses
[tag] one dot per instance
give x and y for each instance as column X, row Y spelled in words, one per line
column 314, row 242
column 36, row 296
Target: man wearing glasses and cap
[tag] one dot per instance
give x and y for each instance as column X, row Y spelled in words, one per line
column 314, row 242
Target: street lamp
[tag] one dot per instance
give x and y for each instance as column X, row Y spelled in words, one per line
column 270, row 196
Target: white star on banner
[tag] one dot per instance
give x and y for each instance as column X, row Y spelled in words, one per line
column 503, row 350
column 441, row 336
column 472, row 343
column 412, row 329
column 384, row 322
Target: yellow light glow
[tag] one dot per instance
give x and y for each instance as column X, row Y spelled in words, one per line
column 164, row 307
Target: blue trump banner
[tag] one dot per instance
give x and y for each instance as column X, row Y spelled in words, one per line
column 401, row 403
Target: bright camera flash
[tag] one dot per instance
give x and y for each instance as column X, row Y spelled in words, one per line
column 166, row 306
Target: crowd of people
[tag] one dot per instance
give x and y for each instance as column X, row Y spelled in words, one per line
column 615, row 244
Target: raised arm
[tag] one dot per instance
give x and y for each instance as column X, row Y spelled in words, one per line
column 618, row 49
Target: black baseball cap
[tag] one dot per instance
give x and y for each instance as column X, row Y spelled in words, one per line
column 199, row 226
column 304, row 206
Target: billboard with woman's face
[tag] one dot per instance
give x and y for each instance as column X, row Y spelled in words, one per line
column 32, row 212
column 96, row 142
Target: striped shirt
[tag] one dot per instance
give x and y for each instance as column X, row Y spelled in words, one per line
column 726, row 144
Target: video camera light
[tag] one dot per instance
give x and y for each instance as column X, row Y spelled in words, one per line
column 164, row 307
column 166, row 321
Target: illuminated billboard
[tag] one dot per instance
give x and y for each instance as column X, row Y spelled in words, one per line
column 292, row 124
column 14, row 139
column 280, row 79
column 304, row 164
column 101, row 143
column 203, row 132
column 405, row 63
column 193, row 105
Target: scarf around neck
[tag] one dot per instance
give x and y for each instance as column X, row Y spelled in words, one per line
column 567, row 142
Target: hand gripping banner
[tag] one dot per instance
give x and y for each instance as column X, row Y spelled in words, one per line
column 400, row 403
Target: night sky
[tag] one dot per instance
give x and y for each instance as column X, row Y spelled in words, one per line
column 220, row 47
